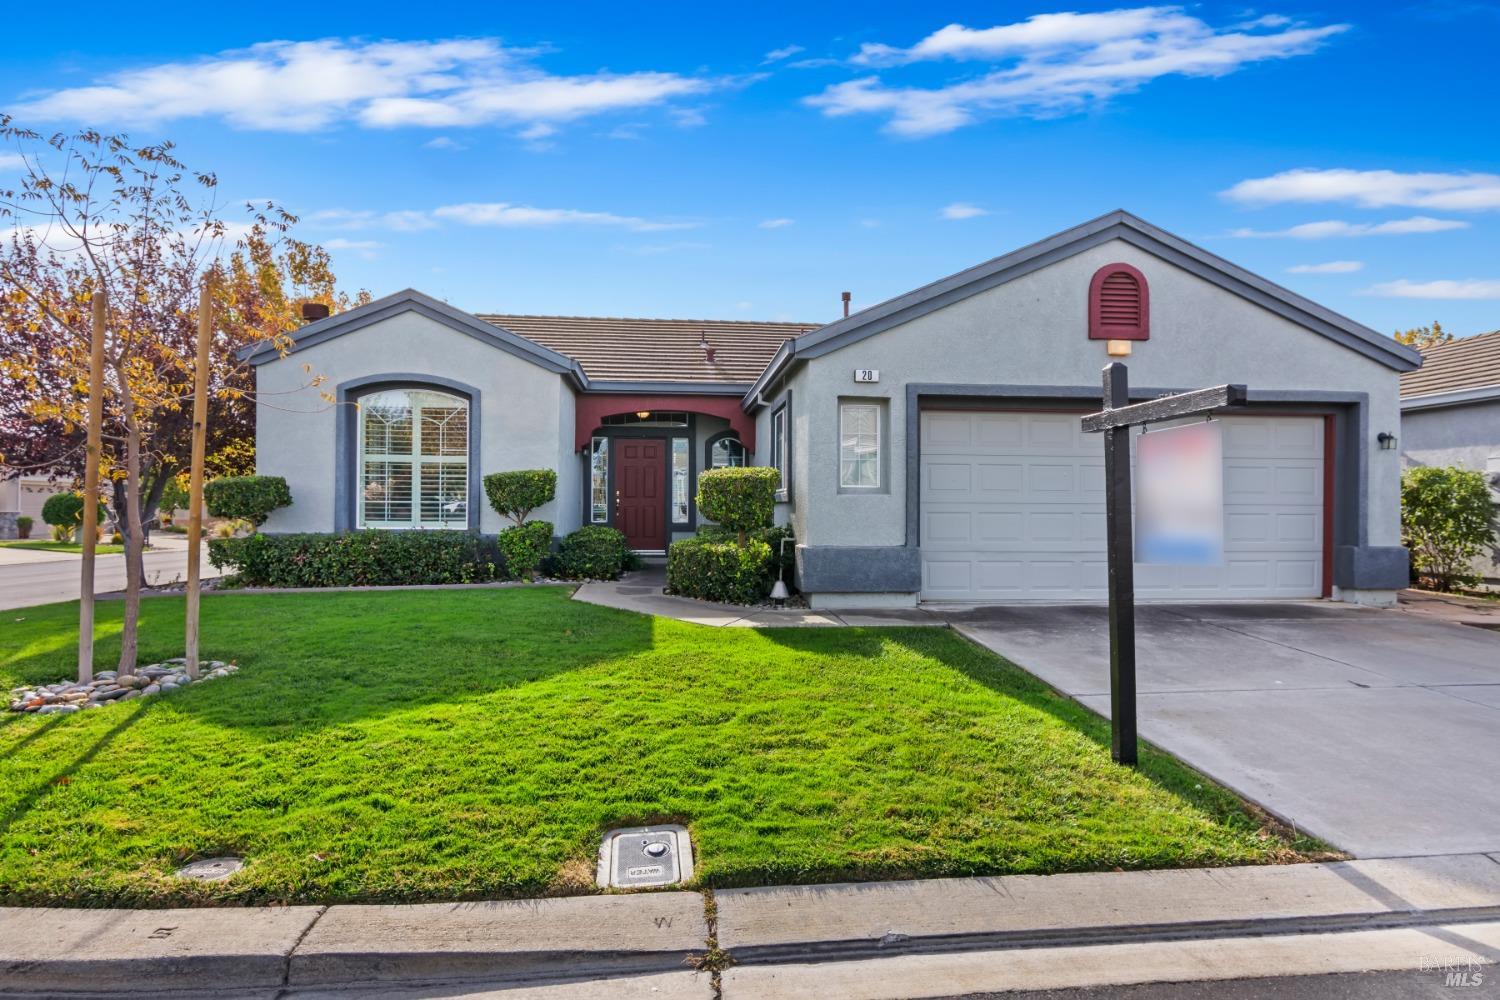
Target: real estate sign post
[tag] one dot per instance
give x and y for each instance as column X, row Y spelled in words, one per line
column 1182, row 522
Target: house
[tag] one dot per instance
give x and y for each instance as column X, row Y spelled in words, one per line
column 23, row 496
column 929, row 446
column 1450, row 414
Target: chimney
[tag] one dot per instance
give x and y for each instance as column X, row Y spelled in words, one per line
column 846, row 296
column 703, row 345
column 313, row 311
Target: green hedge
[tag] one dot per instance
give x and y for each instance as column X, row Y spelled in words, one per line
column 357, row 558
column 717, row 570
column 252, row 498
column 593, row 552
column 1447, row 521
column 524, row 546
column 772, row 536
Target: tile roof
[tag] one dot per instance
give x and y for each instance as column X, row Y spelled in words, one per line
column 1466, row 363
column 657, row 350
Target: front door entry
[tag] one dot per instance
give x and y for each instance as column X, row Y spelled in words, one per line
column 640, row 492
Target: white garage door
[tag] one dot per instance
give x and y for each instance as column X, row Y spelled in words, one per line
column 1012, row 509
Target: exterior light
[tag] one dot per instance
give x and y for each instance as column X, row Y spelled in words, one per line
column 642, row 414
column 779, row 593
column 1387, row 441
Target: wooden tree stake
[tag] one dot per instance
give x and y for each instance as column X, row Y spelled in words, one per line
column 93, row 456
column 195, row 481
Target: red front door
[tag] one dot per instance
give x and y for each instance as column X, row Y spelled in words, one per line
column 640, row 492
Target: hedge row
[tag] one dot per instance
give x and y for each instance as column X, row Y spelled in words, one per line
column 720, row 570
column 358, row 558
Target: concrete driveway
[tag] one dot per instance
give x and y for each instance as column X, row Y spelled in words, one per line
column 1378, row 731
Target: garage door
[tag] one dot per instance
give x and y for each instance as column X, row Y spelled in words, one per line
column 1012, row 509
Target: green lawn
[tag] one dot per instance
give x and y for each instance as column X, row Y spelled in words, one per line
column 468, row 744
column 74, row 547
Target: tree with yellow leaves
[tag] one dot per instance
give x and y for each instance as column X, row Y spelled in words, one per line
column 94, row 213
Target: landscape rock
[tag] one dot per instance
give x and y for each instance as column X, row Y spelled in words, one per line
column 109, row 686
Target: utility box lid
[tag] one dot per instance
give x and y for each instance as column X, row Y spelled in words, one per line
column 643, row 856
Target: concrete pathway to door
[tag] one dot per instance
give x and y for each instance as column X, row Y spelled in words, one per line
column 1378, row 731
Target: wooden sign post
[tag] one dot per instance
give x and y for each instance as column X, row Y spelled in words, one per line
column 195, row 474
column 92, row 456
column 1115, row 421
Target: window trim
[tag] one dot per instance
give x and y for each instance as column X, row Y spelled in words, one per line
column 878, row 410
column 781, row 447
column 598, row 441
column 717, row 439
column 687, row 483
column 346, row 470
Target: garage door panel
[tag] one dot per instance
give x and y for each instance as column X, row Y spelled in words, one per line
column 1012, row 508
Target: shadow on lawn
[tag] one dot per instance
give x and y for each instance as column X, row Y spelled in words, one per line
column 27, row 800
column 310, row 661
column 1003, row 677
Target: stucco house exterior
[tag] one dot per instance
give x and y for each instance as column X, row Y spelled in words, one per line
column 1450, row 415
column 929, row 445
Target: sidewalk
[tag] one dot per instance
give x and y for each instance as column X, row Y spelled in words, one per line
column 922, row 938
column 641, row 591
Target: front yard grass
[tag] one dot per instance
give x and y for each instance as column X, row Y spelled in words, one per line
column 433, row 745
column 42, row 545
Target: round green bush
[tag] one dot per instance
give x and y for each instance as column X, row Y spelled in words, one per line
column 721, row 571
column 524, row 546
column 740, row 499
column 66, row 510
column 593, row 552
column 517, row 493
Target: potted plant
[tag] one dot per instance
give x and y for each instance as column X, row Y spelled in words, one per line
column 23, row 526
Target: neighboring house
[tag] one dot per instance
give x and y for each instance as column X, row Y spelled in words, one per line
column 23, row 496
column 930, row 445
column 1450, row 414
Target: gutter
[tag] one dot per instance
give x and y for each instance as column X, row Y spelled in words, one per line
column 1454, row 397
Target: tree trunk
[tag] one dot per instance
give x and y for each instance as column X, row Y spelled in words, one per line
column 129, row 632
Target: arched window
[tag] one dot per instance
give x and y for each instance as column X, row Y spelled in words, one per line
column 1119, row 304
column 413, row 459
column 724, row 451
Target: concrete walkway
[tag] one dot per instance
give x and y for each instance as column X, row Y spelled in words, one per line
column 923, row 938
column 641, row 591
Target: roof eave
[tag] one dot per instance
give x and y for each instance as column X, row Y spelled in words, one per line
column 1452, row 397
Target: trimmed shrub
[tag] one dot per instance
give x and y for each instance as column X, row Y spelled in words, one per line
column 516, row 494
column 252, row 498
column 593, row 552
column 23, row 526
column 1447, row 520
column 357, row 558
column 783, row 561
column 65, row 510
column 717, row 570
column 740, row 499
column 524, row 546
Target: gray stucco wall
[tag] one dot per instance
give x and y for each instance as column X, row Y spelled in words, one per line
column 1467, row 436
column 1033, row 330
column 526, row 415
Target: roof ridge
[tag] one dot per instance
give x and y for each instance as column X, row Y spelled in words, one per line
column 655, row 319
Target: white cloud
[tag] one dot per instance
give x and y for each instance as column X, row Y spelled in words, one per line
column 1467, row 288
column 342, row 218
column 688, row 117
column 785, row 52
column 1331, row 267
column 962, row 210
column 302, row 86
column 1452, row 192
column 12, row 161
column 1055, row 63
column 506, row 215
column 443, row 142
column 1331, row 228
column 776, row 223
column 339, row 243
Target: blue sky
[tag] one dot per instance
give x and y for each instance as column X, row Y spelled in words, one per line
column 755, row 160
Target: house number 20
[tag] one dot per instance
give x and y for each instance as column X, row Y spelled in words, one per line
column 866, row 375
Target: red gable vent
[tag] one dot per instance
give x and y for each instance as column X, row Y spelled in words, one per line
column 1119, row 304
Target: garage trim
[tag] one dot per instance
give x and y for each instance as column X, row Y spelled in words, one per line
column 1345, row 530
